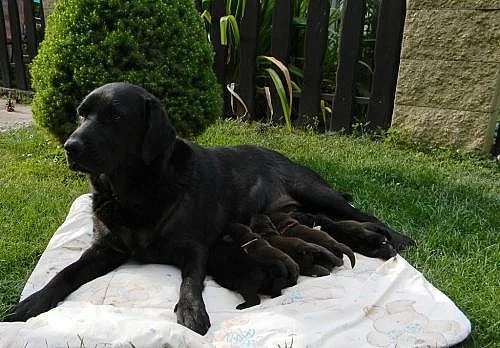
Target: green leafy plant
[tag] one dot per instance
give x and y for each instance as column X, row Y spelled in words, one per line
column 230, row 37
column 159, row 45
column 285, row 95
column 270, row 76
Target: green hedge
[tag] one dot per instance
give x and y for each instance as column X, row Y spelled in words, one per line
column 160, row 45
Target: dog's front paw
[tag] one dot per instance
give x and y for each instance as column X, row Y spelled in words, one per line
column 193, row 315
column 35, row 304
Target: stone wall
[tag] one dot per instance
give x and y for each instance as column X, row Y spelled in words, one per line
column 448, row 91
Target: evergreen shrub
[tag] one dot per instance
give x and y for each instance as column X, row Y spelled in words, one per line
column 160, row 45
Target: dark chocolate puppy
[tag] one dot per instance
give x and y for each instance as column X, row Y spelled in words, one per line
column 290, row 227
column 231, row 267
column 260, row 250
column 313, row 259
column 375, row 242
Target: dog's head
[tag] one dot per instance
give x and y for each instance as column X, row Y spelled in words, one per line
column 121, row 125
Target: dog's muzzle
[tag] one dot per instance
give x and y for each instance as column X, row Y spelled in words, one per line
column 73, row 146
column 74, row 149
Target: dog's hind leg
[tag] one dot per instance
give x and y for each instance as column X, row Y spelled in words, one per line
column 317, row 197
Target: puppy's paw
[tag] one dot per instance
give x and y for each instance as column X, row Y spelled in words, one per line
column 247, row 304
column 342, row 249
column 321, row 256
column 320, row 271
column 193, row 315
column 293, row 271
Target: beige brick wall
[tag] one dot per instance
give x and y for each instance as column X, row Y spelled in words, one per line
column 448, row 91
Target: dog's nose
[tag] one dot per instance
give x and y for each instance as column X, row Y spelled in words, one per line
column 73, row 146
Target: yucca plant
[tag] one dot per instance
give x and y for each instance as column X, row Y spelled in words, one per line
column 270, row 69
column 285, row 95
column 283, row 77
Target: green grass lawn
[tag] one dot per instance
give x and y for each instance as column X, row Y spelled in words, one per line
column 448, row 202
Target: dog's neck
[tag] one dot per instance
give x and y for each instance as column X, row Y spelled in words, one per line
column 132, row 189
column 142, row 183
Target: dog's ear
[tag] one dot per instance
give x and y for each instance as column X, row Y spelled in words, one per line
column 160, row 133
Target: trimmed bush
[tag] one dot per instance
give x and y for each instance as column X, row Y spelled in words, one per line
column 159, row 45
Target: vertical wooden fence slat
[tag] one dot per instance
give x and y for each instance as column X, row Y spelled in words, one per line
column 280, row 45
column 387, row 51
column 315, row 46
column 350, row 38
column 197, row 5
column 495, row 149
column 218, row 11
column 248, row 55
column 42, row 20
column 4, row 55
column 29, row 22
column 17, row 52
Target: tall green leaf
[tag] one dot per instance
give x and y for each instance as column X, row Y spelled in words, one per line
column 225, row 22
column 282, row 95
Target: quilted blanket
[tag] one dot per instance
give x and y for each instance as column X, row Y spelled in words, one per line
column 376, row 304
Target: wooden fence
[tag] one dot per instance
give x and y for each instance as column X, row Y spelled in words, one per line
column 386, row 59
column 21, row 31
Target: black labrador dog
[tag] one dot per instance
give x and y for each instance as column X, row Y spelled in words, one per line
column 162, row 199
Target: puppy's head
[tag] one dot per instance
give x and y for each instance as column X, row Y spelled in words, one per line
column 262, row 225
column 122, row 125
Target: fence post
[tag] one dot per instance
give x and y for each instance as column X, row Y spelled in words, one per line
column 390, row 27
column 280, row 46
column 29, row 22
column 17, row 52
column 316, row 38
column 197, row 5
column 248, row 55
column 495, row 149
column 353, row 13
column 42, row 21
column 219, row 10
column 4, row 55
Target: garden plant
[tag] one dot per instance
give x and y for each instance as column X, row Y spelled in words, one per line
column 159, row 45
column 288, row 74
